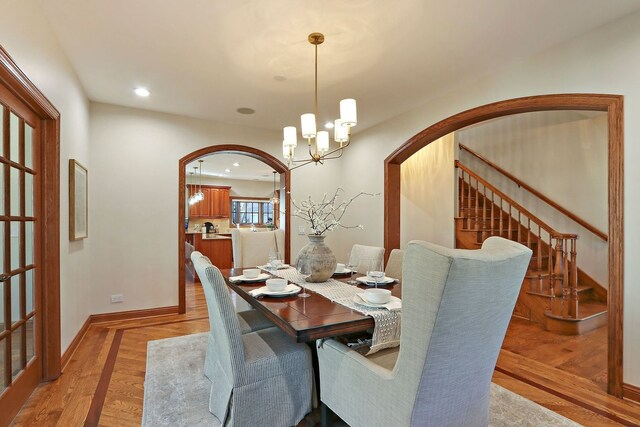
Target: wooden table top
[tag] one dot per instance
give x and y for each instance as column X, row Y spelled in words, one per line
column 306, row 319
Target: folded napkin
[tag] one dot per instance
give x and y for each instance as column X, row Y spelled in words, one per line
column 268, row 267
column 386, row 280
column 241, row 277
column 290, row 288
column 393, row 305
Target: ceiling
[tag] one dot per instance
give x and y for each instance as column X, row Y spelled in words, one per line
column 205, row 59
column 214, row 165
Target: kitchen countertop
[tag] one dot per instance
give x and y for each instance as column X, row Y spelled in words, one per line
column 215, row 236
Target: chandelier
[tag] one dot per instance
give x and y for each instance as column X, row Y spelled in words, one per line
column 318, row 141
column 274, row 197
column 198, row 195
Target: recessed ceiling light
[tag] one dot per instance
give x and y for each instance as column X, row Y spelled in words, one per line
column 328, row 125
column 227, row 170
column 236, row 164
column 140, row 91
column 245, row 110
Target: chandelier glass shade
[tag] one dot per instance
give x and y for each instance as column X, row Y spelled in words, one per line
column 319, row 147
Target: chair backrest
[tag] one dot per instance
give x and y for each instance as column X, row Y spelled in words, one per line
column 363, row 255
column 252, row 249
column 223, row 320
column 394, row 264
column 456, row 308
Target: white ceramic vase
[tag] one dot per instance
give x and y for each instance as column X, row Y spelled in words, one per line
column 322, row 261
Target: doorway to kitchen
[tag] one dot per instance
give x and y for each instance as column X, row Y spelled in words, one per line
column 222, row 204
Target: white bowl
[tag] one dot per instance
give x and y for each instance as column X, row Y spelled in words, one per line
column 377, row 296
column 276, row 284
column 251, row 273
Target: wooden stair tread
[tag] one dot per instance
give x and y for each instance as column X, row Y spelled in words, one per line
column 586, row 310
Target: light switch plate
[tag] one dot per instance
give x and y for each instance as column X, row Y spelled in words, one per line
column 301, row 230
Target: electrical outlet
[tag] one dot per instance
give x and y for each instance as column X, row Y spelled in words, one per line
column 117, row 298
column 301, row 230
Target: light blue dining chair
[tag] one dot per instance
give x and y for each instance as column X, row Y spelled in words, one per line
column 249, row 320
column 456, row 305
column 260, row 378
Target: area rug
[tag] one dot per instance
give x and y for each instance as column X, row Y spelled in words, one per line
column 176, row 392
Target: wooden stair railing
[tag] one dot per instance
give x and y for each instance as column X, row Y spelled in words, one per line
column 601, row 234
column 553, row 270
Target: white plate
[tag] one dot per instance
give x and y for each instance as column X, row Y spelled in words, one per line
column 261, row 277
column 291, row 289
column 370, row 282
column 360, row 300
column 345, row 271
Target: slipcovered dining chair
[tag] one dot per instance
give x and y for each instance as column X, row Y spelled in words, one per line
column 394, row 264
column 252, row 249
column 259, row 378
column 362, row 256
column 456, row 305
column 249, row 320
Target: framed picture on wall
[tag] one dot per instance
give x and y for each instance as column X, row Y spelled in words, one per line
column 78, row 201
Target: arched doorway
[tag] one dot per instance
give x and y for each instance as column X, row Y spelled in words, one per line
column 613, row 105
column 277, row 165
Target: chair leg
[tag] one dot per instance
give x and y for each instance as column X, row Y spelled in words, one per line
column 324, row 415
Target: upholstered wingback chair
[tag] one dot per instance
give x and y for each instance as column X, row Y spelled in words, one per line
column 394, row 264
column 252, row 249
column 456, row 305
column 259, row 378
column 361, row 256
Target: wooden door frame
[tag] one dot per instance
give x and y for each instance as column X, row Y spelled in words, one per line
column 49, row 264
column 613, row 106
column 277, row 165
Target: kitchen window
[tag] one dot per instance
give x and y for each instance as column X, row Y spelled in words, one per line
column 251, row 212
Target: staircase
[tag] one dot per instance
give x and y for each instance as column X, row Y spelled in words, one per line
column 554, row 293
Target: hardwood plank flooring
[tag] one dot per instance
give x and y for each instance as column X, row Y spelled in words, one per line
column 79, row 397
column 583, row 355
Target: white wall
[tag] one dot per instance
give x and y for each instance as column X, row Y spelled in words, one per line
column 426, row 201
column 27, row 37
column 562, row 154
column 134, row 158
column 606, row 60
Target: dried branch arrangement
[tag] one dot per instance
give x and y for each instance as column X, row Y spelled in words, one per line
column 326, row 215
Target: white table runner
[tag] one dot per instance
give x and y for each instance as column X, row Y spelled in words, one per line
column 386, row 333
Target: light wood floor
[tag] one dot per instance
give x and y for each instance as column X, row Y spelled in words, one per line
column 103, row 382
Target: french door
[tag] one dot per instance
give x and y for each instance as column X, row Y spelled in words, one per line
column 20, row 317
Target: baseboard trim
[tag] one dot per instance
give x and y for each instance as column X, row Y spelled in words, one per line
column 66, row 356
column 110, row 317
column 631, row 392
column 133, row 314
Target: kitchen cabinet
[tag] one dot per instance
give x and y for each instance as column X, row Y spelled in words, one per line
column 216, row 203
column 216, row 247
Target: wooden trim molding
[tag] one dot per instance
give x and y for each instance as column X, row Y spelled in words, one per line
column 631, row 392
column 73, row 346
column 133, row 314
column 613, row 105
column 19, row 84
column 277, row 165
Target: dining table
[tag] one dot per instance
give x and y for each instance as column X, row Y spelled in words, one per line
column 306, row 319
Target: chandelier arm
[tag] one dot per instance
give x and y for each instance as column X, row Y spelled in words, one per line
column 306, row 162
